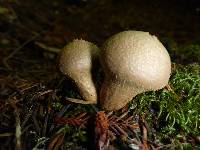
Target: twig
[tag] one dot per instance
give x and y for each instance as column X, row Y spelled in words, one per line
column 48, row 48
column 121, row 131
column 122, row 116
column 131, row 141
column 79, row 101
column 77, row 121
column 28, row 88
column 144, row 138
column 44, row 93
column 144, row 134
column 7, row 134
column 169, row 88
column 28, row 115
column 18, row 127
column 113, row 129
column 32, row 108
column 36, row 123
column 56, row 141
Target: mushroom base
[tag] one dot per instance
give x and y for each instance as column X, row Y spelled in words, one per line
column 86, row 88
column 115, row 95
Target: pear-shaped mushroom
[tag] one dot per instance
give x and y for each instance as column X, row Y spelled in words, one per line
column 133, row 62
column 76, row 61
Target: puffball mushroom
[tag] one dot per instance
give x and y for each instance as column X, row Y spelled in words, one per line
column 76, row 61
column 133, row 62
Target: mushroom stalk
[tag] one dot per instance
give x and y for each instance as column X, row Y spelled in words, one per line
column 86, row 87
column 111, row 98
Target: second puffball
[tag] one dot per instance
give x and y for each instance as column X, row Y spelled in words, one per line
column 76, row 62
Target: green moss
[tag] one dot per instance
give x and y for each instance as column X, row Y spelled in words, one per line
column 183, row 54
column 75, row 138
column 175, row 111
column 190, row 53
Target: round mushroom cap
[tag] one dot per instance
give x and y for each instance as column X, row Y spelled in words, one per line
column 77, row 56
column 76, row 61
column 136, row 58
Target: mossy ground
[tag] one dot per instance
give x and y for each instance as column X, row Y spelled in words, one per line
column 174, row 113
column 33, row 91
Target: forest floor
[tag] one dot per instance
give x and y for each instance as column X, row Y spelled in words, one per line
column 33, row 112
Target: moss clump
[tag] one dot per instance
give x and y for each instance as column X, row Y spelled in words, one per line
column 174, row 111
column 183, row 54
column 190, row 53
column 75, row 138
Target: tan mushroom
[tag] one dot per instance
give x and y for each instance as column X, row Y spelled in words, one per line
column 133, row 62
column 76, row 61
